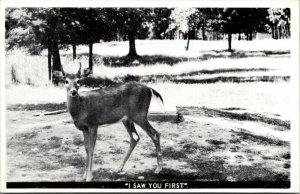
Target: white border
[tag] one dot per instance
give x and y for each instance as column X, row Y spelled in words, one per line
column 293, row 4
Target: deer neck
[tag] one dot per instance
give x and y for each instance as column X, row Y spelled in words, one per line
column 73, row 104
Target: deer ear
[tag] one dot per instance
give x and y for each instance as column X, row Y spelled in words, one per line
column 87, row 72
column 79, row 70
column 62, row 70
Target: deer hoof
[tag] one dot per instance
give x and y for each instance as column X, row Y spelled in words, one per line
column 84, row 175
column 158, row 170
column 89, row 177
column 119, row 169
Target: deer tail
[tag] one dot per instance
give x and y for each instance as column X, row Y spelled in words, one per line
column 157, row 97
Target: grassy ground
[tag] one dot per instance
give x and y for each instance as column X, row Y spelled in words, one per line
column 236, row 122
column 50, row 148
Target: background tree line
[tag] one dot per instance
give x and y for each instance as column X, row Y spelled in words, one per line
column 58, row 28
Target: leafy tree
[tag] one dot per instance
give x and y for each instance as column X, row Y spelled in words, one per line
column 134, row 22
column 34, row 29
column 180, row 20
column 84, row 26
column 280, row 21
column 252, row 20
column 53, row 28
column 204, row 19
column 230, row 21
column 161, row 22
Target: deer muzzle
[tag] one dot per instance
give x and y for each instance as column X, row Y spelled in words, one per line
column 73, row 93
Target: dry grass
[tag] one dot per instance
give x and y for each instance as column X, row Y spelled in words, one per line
column 203, row 55
column 257, row 97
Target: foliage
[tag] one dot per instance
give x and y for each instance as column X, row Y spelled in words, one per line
column 134, row 22
column 280, row 21
column 180, row 19
column 161, row 22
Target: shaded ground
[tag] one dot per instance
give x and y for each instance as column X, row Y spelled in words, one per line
column 48, row 148
column 116, row 61
column 187, row 78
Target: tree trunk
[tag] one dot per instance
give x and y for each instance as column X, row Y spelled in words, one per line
column 74, row 51
column 203, row 33
column 239, row 38
column 91, row 55
column 273, row 31
column 56, row 57
column 250, row 36
column 56, row 60
column 280, row 32
column 188, row 41
column 229, row 41
column 132, row 51
column 49, row 60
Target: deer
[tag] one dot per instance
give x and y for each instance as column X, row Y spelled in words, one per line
column 128, row 102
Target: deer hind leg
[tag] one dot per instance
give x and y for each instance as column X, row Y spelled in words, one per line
column 134, row 138
column 154, row 135
column 91, row 146
column 86, row 145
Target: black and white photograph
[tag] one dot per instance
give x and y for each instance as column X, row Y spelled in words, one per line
column 156, row 97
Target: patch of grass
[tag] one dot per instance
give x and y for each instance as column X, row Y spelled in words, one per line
column 47, row 165
column 75, row 160
column 286, row 156
column 166, row 174
column 233, row 79
column 212, row 168
column 259, row 139
column 254, row 173
column 26, row 136
column 215, row 142
column 171, row 153
column 20, row 67
column 190, row 147
column 176, row 78
column 46, row 106
column 142, row 59
column 252, row 151
column 47, row 127
column 115, row 150
column 53, row 142
column 77, row 140
column 286, row 165
column 234, row 140
column 238, row 116
column 222, row 70
column 232, row 108
column 271, row 158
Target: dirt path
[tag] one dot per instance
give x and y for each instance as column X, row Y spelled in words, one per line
column 202, row 147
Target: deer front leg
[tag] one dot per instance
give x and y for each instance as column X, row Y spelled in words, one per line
column 86, row 146
column 91, row 146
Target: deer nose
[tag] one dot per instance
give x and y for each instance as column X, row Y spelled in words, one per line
column 73, row 93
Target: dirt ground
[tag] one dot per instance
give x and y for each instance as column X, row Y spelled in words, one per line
column 205, row 146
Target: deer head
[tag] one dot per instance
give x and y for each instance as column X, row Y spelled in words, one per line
column 72, row 80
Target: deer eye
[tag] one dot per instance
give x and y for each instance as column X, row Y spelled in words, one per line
column 67, row 82
column 78, row 82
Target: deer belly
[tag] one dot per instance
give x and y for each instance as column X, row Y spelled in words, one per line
column 110, row 117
